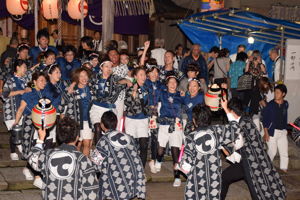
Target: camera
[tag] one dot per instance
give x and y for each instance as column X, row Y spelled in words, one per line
column 254, row 58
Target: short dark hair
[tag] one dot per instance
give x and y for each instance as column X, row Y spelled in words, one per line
column 241, row 45
column 97, row 32
column 237, row 106
column 185, row 50
column 242, row 56
column 112, row 49
column 202, row 115
column 55, row 31
column 169, row 51
column 67, row 130
column 48, row 53
column 22, row 46
column 109, row 120
column 214, row 49
column 282, row 88
column 170, row 73
column 17, row 63
column 43, row 33
column 14, row 41
column 177, row 46
column 88, row 40
column 193, row 67
column 151, row 61
column 35, row 77
column 68, row 48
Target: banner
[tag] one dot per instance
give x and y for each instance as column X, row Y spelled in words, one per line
column 290, row 13
column 6, row 26
column 212, row 5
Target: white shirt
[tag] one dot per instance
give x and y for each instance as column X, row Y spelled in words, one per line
column 159, row 55
column 276, row 69
column 99, row 48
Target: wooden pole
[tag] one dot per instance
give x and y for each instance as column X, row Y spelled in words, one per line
column 82, row 19
column 36, row 21
column 281, row 55
column 59, row 21
column 107, row 21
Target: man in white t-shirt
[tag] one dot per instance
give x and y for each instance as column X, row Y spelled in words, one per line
column 241, row 48
column 159, row 52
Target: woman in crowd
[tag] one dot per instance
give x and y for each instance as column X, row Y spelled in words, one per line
column 255, row 66
column 13, row 89
column 170, row 129
column 48, row 59
column 107, row 87
column 68, row 63
column 29, row 100
column 221, row 66
column 192, row 98
column 137, row 107
column 87, row 47
column 155, row 87
column 94, row 59
column 8, row 70
column 235, row 71
column 78, row 104
column 258, row 101
column 55, row 88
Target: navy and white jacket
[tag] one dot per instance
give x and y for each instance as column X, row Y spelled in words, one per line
column 72, row 105
column 67, row 173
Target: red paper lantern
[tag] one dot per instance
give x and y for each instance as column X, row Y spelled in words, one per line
column 49, row 9
column 213, row 97
column 17, row 7
column 74, row 9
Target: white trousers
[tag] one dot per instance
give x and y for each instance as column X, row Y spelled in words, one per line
column 279, row 140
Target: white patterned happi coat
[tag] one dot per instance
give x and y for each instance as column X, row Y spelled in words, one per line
column 122, row 173
column 201, row 160
column 67, row 173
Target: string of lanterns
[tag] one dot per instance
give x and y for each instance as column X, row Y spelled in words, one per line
column 49, row 8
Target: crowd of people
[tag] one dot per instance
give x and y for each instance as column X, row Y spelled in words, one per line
column 160, row 96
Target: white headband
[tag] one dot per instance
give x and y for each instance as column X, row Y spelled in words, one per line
column 194, row 79
column 105, row 62
column 51, row 67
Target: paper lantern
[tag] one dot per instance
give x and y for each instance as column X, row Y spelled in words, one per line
column 17, row 7
column 213, row 97
column 74, row 9
column 49, row 9
column 43, row 114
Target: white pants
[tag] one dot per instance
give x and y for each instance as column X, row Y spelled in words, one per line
column 259, row 126
column 137, row 128
column 174, row 139
column 279, row 140
column 96, row 113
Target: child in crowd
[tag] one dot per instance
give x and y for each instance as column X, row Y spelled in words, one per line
column 275, row 126
column 67, row 173
column 122, row 173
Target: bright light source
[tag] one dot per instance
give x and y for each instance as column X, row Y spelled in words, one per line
column 250, row 40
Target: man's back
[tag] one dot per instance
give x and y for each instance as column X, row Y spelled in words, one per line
column 67, row 173
column 121, row 167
